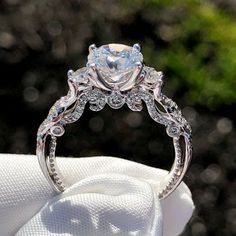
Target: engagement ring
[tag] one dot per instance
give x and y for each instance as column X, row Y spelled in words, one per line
column 115, row 75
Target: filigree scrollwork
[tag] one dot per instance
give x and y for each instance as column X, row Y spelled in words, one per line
column 173, row 130
column 57, row 130
column 97, row 100
column 74, row 114
column 116, row 100
column 170, row 106
column 175, row 114
column 115, row 75
column 155, row 114
column 134, row 101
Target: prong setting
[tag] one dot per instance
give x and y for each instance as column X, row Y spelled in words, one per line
column 115, row 75
column 92, row 47
column 137, row 47
column 139, row 64
column 117, row 65
column 142, row 75
column 93, row 66
column 70, row 74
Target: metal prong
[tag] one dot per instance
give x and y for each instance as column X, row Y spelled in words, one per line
column 158, row 88
column 160, row 73
column 139, row 64
column 92, row 66
column 137, row 47
column 142, row 75
column 92, row 47
column 70, row 73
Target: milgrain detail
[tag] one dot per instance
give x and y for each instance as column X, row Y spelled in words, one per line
column 144, row 87
column 172, row 178
column 52, row 165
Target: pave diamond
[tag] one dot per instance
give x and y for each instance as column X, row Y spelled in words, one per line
column 117, row 64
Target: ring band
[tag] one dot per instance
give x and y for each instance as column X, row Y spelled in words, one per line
column 115, row 75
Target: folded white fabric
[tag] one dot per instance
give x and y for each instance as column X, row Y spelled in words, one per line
column 108, row 196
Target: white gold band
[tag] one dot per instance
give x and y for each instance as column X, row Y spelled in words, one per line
column 161, row 109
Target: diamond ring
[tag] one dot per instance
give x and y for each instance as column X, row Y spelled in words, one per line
column 115, row 75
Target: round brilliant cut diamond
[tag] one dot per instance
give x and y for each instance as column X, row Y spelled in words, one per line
column 116, row 64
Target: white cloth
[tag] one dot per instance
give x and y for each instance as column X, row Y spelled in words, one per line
column 108, row 196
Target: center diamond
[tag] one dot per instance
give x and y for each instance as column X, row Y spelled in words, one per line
column 117, row 65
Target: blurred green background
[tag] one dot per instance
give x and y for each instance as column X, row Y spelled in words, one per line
column 192, row 42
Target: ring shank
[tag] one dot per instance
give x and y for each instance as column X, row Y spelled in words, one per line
column 167, row 185
column 61, row 114
column 48, row 163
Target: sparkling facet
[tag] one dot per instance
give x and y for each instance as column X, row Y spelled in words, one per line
column 116, row 63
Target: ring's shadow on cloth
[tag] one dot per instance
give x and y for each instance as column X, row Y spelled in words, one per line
column 64, row 217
